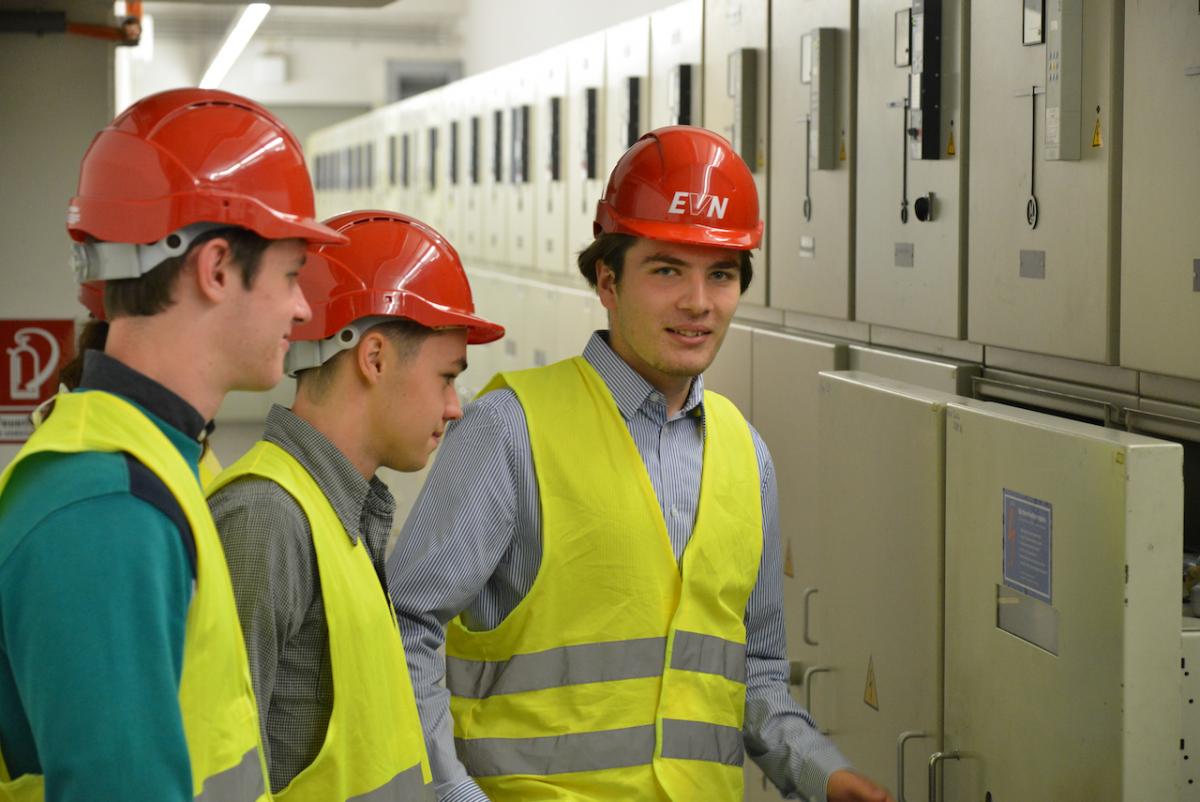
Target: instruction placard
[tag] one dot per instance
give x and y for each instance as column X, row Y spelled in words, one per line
column 1028, row 541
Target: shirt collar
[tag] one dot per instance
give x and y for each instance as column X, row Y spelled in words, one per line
column 345, row 488
column 108, row 374
column 629, row 389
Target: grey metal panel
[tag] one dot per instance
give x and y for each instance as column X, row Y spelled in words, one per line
column 1160, row 241
column 928, row 297
column 1102, row 717
column 1189, row 762
column 881, row 499
column 785, row 406
column 812, row 268
column 1107, row 376
column 944, row 375
column 959, row 350
column 1169, row 388
column 1067, row 305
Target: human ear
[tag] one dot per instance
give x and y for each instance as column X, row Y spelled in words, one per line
column 212, row 261
column 370, row 356
column 606, row 284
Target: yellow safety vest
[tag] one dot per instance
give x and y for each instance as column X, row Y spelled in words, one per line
column 620, row 675
column 374, row 747
column 220, row 719
column 210, row 466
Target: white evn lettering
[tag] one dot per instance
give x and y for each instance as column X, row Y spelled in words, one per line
column 717, row 207
column 697, row 204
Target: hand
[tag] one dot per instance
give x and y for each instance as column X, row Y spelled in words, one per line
column 847, row 786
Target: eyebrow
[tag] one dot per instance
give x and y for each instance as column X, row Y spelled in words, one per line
column 667, row 259
column 462, row 364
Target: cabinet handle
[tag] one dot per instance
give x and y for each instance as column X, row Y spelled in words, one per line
column 808, row 686
column 808, row 594
column 904, row 738
column 934, row 760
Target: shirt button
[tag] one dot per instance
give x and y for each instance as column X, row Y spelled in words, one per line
column 674, row 511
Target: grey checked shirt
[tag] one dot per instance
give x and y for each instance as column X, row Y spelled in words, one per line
column 268, row 545
column 472, row 545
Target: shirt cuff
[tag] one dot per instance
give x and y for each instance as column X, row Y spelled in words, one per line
column 466, row 791
column 813, row 781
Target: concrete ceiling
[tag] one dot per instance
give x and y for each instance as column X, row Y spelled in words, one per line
column 428, row 21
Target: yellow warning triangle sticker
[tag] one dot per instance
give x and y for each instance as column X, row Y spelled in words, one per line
column 789, row 568
column 842, row 149
column 1097, row 137
column 950, row 149
column 871, row 694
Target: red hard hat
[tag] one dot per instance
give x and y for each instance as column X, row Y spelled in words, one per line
column 188, row 156
column 682, row 184
column 394, row 266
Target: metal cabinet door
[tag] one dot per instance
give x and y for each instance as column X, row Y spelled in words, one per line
column 881, row 514
column 1049, row 289
column 811, row 230
column 1063, row 544
column 909, row 273
column 1160, row 241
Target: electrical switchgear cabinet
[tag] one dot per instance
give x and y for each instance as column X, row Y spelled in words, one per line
column 1063, row 544
column 1044, row 201
column 1160, row 241
column 811, row 228
column 910, row 229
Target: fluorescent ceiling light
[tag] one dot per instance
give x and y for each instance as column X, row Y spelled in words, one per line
column 235, row 42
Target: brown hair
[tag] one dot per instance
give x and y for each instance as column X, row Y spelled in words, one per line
column 150, row 293
column 405, row 335
column 611, row 249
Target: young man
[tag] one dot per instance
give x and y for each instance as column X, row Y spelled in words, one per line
column 606, row 533
column 122, row 671
column 305, row 520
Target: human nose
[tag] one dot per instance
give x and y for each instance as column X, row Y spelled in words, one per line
column 302, row 313
column 696, row 298
column 453, row 409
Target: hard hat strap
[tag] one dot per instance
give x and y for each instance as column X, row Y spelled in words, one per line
column 107, row 261
column 305, row 354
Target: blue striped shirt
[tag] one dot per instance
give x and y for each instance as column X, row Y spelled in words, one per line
column 472, row 546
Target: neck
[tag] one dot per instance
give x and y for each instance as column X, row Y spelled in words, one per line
column 343, row 424
column 171, row 355
column 674, row 388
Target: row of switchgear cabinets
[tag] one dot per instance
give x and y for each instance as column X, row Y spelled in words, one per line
column 1015, row 173
column 989, row 588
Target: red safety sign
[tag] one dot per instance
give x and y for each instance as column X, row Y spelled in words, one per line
column 31, row 353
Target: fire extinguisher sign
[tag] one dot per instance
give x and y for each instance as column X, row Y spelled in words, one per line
column 31, row 353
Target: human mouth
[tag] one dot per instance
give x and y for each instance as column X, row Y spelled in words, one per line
column 689, row 336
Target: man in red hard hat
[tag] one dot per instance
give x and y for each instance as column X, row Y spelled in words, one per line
column 122, row 669
column 305, row 520
column 601, row 536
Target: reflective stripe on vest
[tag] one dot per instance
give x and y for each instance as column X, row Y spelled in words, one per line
column 593, row 751
column 215, row 696
column 636, row 687
column 595, row 662
column 374, row 748
column 243, row 781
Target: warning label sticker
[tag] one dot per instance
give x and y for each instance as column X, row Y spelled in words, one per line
column 871, row 692
column 1028, row 541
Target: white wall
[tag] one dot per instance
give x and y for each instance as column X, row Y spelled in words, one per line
column 495, row 32
column 55, row 94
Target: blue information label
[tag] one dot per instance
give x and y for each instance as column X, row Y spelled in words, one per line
column 1028, row 538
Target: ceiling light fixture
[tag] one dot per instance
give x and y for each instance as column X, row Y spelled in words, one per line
column 236, row 39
